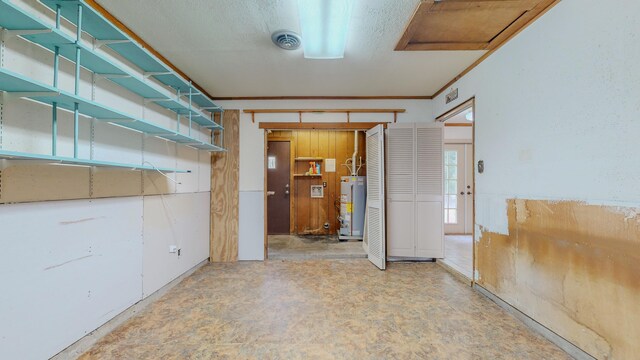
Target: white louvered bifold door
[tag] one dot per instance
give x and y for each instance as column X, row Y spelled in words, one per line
column 429, row 190
column 401, row 176
column 375, row 197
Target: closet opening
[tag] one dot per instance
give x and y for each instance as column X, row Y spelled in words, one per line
column 315, row 192
column 459, row 186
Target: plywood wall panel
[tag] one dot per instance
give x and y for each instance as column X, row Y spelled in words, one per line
column 225, row 170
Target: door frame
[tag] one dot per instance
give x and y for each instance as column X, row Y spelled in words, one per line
column 278, row 126
column 470, row 103
column 292, row 199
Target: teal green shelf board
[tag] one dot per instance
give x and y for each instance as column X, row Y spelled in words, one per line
column 15, row 83
column 13, row 155
column 13, row 18
column 102, row 29
column 93, row 23
column 66, row 44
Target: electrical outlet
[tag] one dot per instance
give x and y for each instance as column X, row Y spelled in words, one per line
column 173, row 249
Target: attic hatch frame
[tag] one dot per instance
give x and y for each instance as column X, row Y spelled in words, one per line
column 18, row 22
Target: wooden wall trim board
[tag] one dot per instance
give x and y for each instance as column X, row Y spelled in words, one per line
column 318, row 126
column 225, row 176
column 458, row 124
column 320, row 111
column 104, row 12
column 250, row 98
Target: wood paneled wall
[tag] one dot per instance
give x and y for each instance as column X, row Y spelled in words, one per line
column 225, row 195
column 309, row 214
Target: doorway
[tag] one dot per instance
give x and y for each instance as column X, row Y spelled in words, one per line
column 459, row 189
column 304, row 200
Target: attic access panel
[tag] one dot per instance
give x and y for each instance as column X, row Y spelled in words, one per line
column 468, row 24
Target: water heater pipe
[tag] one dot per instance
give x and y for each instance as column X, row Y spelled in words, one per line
column 354, row 172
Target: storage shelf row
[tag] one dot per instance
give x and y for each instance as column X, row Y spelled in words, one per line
column 18, row 85
column 13, row 155
column 103, row 30
column 16, row 20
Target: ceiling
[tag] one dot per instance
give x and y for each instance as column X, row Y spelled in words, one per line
column 225, row 46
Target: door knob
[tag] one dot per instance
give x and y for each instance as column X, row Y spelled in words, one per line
column 461, row 192
column 271, row 193
column 468, row 192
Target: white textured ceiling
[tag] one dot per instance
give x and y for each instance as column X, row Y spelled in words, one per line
column 225, row 46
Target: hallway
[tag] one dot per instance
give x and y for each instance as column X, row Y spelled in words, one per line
column 344, row 309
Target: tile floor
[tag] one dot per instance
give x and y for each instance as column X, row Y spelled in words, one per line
column 294, row 247
column 458, row 253
column 323, row 309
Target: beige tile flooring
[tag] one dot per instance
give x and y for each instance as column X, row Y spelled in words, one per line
column 294, row 247
column 458, row 253
column 323, row 309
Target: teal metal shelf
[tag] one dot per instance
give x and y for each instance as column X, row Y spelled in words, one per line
column 103, row 30
column 13, row 155
column 19, row 85
column 34, row 30
column 18, row 22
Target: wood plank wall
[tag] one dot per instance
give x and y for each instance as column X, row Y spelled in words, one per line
column 225, row 175
column 309, row 214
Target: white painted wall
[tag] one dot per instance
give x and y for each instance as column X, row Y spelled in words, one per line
column 251, row 242
column 556, row 110
column 557, row 119
column 72, row 265
column 454, row 133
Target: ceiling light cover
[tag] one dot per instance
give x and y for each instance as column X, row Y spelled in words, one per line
column 324, row 25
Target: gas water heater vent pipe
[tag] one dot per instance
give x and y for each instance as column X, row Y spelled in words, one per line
column 354, row 171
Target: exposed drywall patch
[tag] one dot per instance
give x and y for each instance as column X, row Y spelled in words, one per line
column 572, row 266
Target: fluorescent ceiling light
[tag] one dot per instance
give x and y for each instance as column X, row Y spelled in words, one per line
column 324, row 25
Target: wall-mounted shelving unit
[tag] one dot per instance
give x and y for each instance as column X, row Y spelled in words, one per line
column 18, row 22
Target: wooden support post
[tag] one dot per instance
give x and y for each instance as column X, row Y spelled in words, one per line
column 395, row 116
column 300, row 116
column 348, row 116
column 253, row 117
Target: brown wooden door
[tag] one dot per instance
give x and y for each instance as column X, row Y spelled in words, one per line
column 278, row 187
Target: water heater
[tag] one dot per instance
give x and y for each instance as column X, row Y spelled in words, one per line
column 353, row 195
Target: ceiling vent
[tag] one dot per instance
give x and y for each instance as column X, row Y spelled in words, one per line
column 287, row 40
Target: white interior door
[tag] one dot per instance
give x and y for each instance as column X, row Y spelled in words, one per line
column 429, row 190
column 400, row 177
column 458, row 197
column 375, row 218
column 454, row 183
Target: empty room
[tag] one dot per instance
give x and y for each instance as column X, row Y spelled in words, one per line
column 319, row 179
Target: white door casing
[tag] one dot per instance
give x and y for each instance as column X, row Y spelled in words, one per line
column 375, row 213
